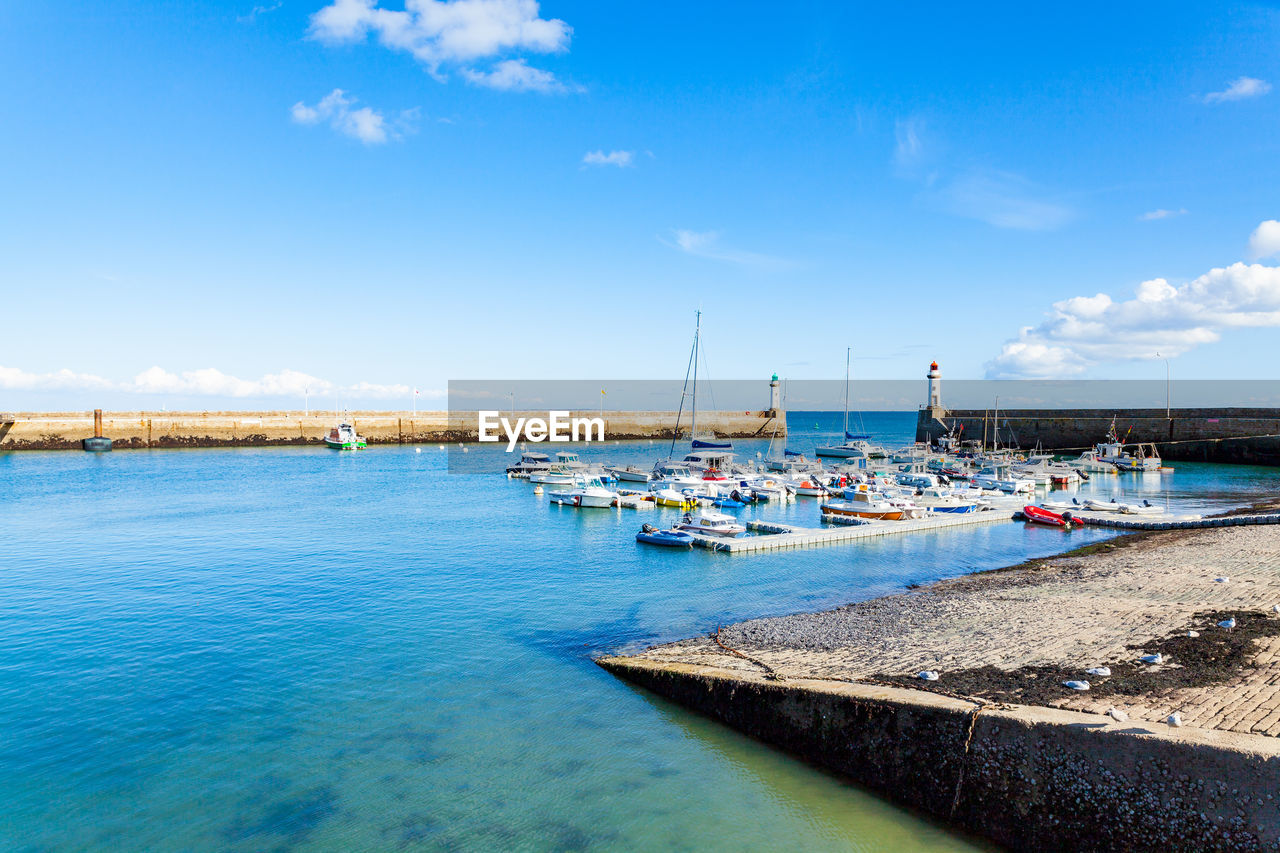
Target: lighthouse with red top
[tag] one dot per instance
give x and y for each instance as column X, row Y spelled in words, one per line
column 935, row 387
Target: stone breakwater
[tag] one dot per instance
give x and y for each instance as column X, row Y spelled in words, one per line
column 1237, row 435
column 998, row 745
column 137, row 430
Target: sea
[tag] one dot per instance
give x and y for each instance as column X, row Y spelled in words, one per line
column 300, row 649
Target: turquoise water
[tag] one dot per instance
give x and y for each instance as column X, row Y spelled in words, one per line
column 298, row 649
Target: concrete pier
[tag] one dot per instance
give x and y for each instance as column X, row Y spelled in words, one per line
column 1242, row 435
column 998, row 744
column 146, row 429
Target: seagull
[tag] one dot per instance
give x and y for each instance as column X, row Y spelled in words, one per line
column 1117, row 714
column 1099, row 670
column 927, row 675
column 1222, row 580
column 1174, row 719
column 1156, row 658
column 1228, row 623
column 1076, row 685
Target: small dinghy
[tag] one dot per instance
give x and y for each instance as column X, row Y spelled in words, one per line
column 650, row 535
column 1039, row 515
column 1104, row 506
column 726, row 503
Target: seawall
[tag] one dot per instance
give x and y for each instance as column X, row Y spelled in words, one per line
column 1155, row 624
column 1026, row 777
column 136, row 430
column 1243, row 435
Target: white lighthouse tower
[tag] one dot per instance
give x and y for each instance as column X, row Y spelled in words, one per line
column 775, row 397
column 935, row 386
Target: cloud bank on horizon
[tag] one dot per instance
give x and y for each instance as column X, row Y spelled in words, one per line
column 206, row 382
column 1084, row 331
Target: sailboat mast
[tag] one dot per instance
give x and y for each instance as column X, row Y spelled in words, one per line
column 697, row 332
column 847, row 351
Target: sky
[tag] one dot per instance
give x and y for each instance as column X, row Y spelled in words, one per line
column 237, row 204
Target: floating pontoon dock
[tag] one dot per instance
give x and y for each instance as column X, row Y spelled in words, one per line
column 780, row 536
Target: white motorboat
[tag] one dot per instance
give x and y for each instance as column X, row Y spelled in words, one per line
column 999, row 476
column 589, row 493
column 556, row 475
column 944, row 500
column 630, row 473
column 676, row 475
column 710, row 523
column 1104, row 506
column 531, row 462
column 1090, row 463
column 766, row 488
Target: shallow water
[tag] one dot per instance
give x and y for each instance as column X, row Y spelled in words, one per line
column 298, row 649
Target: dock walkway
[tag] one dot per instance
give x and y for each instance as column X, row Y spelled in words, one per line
column 780, row 536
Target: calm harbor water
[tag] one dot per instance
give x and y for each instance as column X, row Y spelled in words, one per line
column 299, row 649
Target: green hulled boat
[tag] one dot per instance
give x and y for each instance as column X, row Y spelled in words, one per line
column 343, row 437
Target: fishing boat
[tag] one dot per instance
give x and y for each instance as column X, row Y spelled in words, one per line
column 712, row 465
column 1039, row 515
column 343, row 437
column 710, row 523
column 650, row 535
column 590, row 492
column 1144, row 457
column 1090, row 462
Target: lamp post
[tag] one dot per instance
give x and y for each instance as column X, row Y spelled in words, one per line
column 1168, row 382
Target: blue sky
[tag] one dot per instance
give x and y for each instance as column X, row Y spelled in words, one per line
column 223, row 202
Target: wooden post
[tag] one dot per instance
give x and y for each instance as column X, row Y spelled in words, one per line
column 97, row 423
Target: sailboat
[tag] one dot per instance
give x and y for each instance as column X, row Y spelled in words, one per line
column 855, row 446
column 707, row 453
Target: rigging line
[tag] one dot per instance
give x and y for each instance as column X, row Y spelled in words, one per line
column 684, row 391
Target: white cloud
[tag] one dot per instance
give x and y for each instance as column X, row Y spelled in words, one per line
column 16, row 379
column 206, row 382
column 706, row 244
column 1002, row 199
column 1087, row 330
column 908, row 147
column 515, row 75
column 1239, row 89
column 620, row 159
column 264, row 9
column 1161, row 213
column 455, row 32
column 364, row 123
column 1265, row 240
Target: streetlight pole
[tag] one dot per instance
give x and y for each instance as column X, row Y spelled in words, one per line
column 1168, row 390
